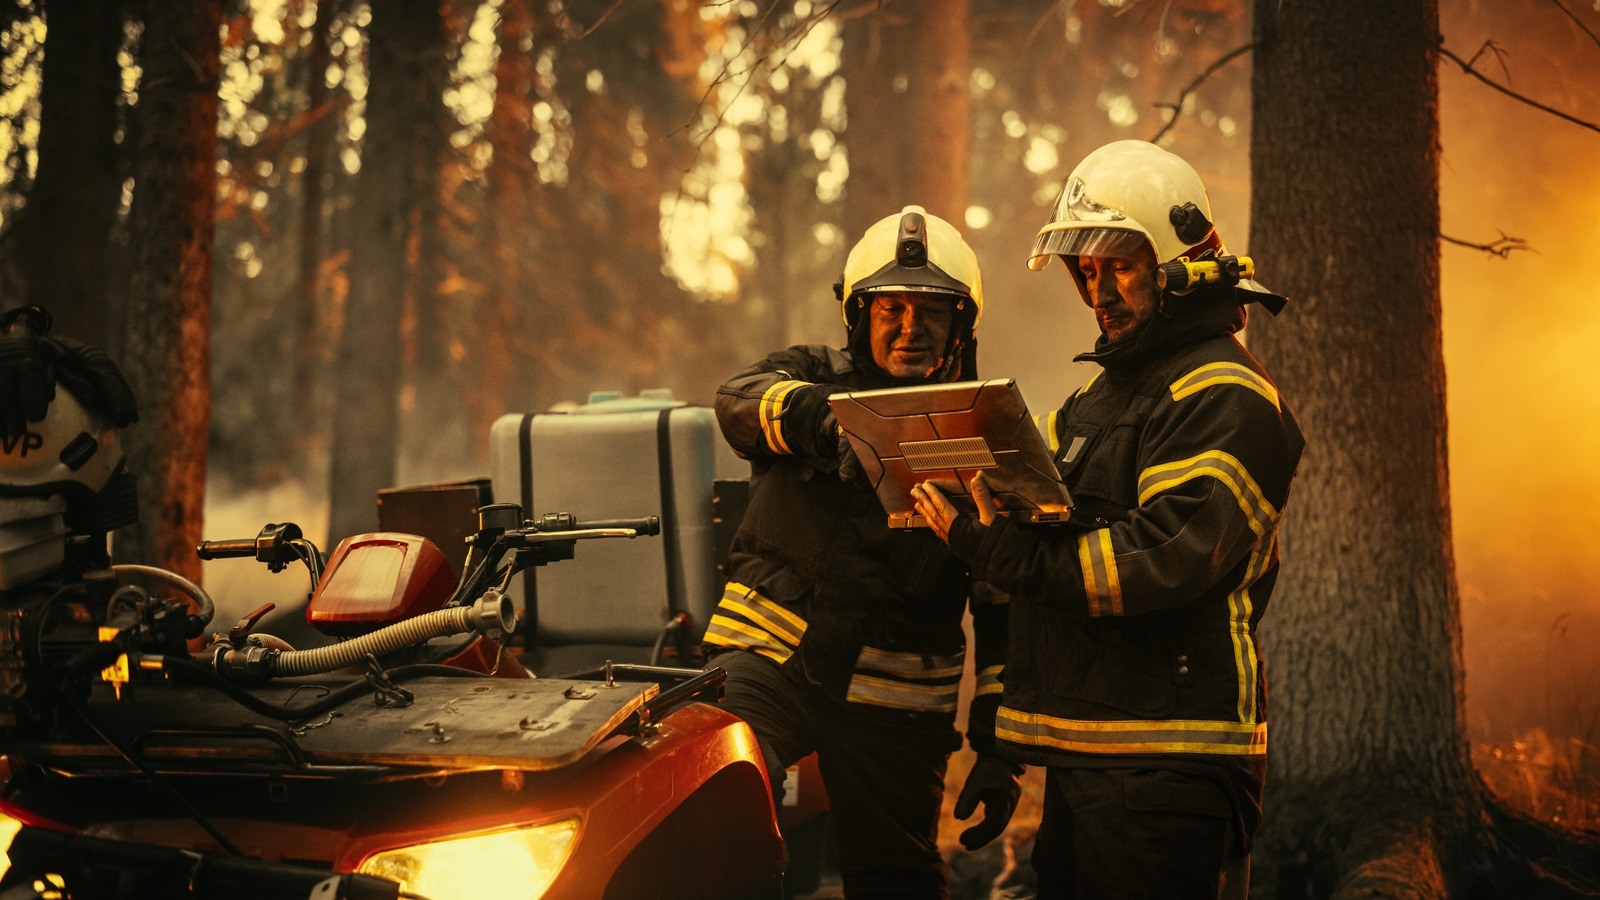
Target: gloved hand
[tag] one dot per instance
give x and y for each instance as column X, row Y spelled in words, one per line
column 995, row 783
column 849, row 465
column 26, row 387
column 93, row 378
column 829, row 435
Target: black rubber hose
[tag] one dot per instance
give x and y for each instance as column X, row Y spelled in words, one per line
column 332, row 700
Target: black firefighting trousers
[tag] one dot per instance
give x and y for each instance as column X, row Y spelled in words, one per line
column 1130, row 834
column 883, row 771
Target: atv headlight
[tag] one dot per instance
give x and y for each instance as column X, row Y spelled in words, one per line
column 8, row 830
column 502, row 865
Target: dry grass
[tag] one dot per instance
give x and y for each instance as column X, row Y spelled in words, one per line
column 1551, row 780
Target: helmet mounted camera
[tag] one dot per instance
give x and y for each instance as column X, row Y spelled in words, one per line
column 911, row 251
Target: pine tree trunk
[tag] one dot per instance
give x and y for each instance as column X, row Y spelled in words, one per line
column 367, row 368
column 166, row 349
column 511, row 184
column 907, row 71
column 310, row 294
column 1368, row 753
column 60, row 241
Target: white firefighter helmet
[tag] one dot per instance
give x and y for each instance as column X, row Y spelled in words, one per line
column 71, row 450
column 55, row 463
column 911, row 250
column 1123, row 196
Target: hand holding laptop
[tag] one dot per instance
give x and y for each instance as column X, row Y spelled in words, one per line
column 938, row 512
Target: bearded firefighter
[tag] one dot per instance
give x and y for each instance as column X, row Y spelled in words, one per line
column 1135, row 674
column 841, row 636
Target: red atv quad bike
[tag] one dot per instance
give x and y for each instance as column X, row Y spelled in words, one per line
column 414, row 757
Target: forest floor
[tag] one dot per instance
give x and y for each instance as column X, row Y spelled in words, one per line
column 1550, row 781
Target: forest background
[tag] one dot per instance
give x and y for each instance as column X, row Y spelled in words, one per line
column 633, row 195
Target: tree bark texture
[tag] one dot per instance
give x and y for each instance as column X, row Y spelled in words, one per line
column 59, row 246
column 166, row 341
column 1364, row 638
column 908, row 103
column 366, row 407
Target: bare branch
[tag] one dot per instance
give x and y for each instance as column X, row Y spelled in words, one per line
column 1577, row 22
column 1039, row 25
column 1467, row 67
column 1501, row 247
column 597, row 22
column 1177, row 105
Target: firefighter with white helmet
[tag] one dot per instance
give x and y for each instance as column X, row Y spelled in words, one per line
column 1139, row 685
column 840, row 636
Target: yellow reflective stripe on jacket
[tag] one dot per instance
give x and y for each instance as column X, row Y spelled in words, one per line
column 1224, row 467
column 903, row 695
column 1225, row 373
column 771, row 414
column 747, row 620
column 1240, row 607
column 1047, row 427
column 989, row 681
column 1089, row 384
column 1137, row 736
column 915, row 666
column 1101, row 584
column 906, row 680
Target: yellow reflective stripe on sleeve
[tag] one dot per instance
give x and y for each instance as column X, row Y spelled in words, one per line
column 910, row 665
column 749, row 621
column 771, row 413
column 1225, row 373
column 1240, row 608
column 1050, row 436
column 733, row 590
column 1222, row 466
column 989, row 680
column 1101, row 584
column 901, row 695
column 726, row 632
column 1136, row 736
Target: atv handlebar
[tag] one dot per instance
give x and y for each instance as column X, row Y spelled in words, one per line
column 226, row 549
column 649, row 525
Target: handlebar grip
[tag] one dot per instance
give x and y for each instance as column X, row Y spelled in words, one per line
column 226, row 549
column 646, row 526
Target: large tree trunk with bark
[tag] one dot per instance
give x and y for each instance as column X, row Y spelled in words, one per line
column 907, row 70
column 310, row 320
column 166, row 341
column 59, row 247
column 511, row 186
column 366, row 414
column 1370, row 792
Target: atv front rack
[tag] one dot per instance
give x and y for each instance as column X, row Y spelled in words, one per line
column 433, row 725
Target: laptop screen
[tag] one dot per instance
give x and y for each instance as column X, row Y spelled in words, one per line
column 944, row 434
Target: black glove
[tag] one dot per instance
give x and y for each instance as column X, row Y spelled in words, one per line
column 849, row 465
column 26, row 387
column 93, row 378
column 994, row 782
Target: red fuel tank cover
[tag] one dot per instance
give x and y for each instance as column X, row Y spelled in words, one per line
column 377, row 579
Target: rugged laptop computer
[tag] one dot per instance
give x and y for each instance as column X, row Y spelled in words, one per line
column 945, row 433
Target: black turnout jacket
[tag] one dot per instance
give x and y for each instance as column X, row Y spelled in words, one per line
column 817, row 579
column 1134, row 632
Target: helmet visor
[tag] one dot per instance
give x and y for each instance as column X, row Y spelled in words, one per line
column 1085, row 239
column 895, row 277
